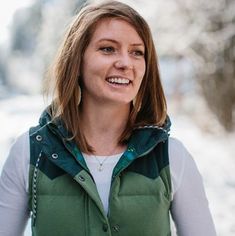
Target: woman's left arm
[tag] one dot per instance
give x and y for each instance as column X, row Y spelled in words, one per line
column 190, row 209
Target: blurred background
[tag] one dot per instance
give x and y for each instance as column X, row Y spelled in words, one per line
column 195, row 42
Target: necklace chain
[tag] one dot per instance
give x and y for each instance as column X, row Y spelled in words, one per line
column 101, row 163
column 100, row 167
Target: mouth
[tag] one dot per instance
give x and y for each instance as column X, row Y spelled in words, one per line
column 115, row 80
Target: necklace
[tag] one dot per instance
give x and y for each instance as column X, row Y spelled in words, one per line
column 100, row 167
column 101, row 163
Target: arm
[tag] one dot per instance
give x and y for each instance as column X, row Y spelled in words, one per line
column 14, row 211
column 189, row 210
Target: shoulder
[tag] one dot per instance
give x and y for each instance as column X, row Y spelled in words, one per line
column 177, row 154
column 176, row 146
column 19, row 151
column 15, row 169
column 180, row 162
column 19, row 148
column 22, row 140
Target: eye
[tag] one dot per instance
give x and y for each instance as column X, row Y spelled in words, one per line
column 138, row 53
column 107, row 50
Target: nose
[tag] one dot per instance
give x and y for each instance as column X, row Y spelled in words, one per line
column 124, row 63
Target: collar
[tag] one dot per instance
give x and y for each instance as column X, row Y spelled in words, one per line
column 142, row 140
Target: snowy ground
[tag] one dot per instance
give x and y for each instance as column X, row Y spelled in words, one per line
column 213, row 153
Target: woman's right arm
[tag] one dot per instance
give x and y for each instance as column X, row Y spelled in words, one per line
column 14, row 212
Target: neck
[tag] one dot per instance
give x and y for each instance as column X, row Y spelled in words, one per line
column 104, row 124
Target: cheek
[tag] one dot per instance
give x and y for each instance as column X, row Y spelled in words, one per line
column 85, row 65
column 87, row 74
column 95, row 66
column 89, row 70
column 141, row 71
column 88, row 65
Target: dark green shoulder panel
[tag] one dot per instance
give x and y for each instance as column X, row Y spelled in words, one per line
column 51, row 152
column 152, row 163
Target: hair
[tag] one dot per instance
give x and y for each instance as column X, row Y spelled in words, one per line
column 150, row 104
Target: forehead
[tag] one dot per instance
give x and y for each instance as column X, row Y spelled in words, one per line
column 115, row 28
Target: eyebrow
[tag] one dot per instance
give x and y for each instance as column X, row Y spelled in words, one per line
column 114, row 41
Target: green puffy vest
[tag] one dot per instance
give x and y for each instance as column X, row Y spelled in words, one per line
column 63, row 197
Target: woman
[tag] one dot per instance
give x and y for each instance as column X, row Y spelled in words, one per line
column 101, row 162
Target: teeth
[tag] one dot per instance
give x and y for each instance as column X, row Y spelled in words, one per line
column 117, row 80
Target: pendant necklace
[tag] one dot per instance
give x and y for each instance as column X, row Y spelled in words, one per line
column 101, row 163
column 100, row 167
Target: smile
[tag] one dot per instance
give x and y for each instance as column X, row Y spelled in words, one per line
column 118, row 80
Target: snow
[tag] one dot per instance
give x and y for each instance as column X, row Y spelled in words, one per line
column 212, row 151
column 7, row 10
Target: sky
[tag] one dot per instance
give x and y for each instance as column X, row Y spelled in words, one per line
column 7, row 9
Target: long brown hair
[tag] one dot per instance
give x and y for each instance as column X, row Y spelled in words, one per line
column 150, row 106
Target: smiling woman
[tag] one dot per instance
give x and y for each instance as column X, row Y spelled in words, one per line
column 100, row 161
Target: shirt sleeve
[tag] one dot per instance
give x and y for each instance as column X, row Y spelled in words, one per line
column 14, row 212
column 190, row 210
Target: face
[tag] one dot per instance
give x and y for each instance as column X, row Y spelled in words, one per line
column 113, row 64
